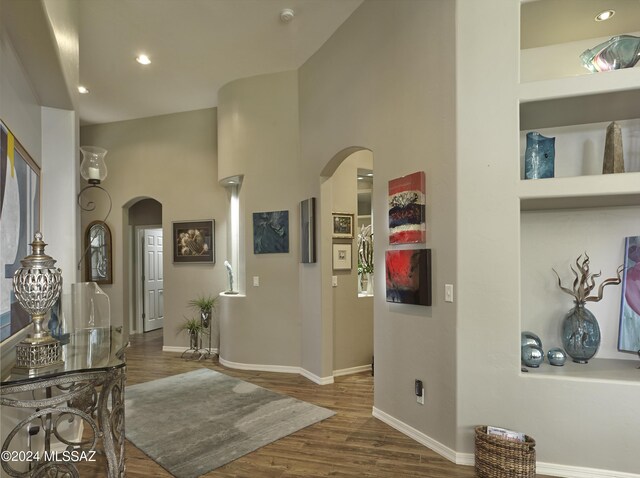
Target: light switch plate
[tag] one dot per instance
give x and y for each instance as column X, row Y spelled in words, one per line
column 448, row 292
column 334, row 281
column 256, row 281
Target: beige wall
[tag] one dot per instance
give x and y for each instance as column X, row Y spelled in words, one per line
column 384, row 81
column 172, row 159
column 261, row 325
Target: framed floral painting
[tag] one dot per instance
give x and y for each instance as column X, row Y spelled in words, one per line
column 194, row 241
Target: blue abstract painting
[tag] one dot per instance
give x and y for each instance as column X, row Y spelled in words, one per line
column 270, row 232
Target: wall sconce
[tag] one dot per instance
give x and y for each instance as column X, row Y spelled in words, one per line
column 94, row 170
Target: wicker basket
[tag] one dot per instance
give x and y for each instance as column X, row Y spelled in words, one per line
column 500, row 458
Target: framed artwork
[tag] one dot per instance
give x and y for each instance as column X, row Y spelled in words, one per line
column 19, row 221
column 408, row 276
column 308, row 231
column 342, row 226
column 342, row 257
column 629, row 334
column 98, row 260
column 270, row 232
column 407, row 213
column 194, row 242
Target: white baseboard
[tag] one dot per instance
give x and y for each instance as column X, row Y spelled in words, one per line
column 418, row 436
column 566, row 471
column 352, row 370
column 259, row 367
column 315, row 378
column 552, row 469
column 277, row 368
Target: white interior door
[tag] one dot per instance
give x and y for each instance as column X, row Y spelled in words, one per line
column 153, row 313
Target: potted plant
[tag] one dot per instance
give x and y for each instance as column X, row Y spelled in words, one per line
column 365, row 257
column 193, row 327
column 205, row 304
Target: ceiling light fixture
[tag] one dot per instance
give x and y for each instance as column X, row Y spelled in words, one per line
column 82, row 90
column 605, row 15
column 143, row 59
column 286, row 15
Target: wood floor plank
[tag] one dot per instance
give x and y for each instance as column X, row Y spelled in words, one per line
column 350, row 444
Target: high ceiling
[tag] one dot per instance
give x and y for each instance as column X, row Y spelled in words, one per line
column 196, row 46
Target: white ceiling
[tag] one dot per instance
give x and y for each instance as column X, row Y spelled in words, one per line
column 196, row 46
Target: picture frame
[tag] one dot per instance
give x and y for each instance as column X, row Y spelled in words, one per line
column 629, row 327
column 99, row 254
column 308, row 231
column 194, row 242
column 20, row 191
column 407, row 209
column 408, row 276
column 342, row 257
column 271, row 232
column 342, row 225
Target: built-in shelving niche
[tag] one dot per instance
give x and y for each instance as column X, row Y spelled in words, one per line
column 580, row 209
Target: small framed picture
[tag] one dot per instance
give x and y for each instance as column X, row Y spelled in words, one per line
column 194, row 241
column 342, row 226
column 342, row 257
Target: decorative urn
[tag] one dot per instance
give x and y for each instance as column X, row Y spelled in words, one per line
column 37, row 285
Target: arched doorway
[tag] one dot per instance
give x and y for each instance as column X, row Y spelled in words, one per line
column 145, row 264
column 346, row 192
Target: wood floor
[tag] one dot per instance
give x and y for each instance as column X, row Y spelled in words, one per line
column 350, row 444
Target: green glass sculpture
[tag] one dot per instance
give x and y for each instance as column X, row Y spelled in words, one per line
column 619, row 52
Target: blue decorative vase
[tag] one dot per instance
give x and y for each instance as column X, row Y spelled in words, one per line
column 556, row 356
column 532, row 356
column 539, row 157
column 580, row 334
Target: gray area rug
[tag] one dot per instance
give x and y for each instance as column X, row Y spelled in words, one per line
column 195, row 422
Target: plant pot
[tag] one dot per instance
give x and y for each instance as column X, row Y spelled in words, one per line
column 205, row 316
column 193, row 340
column 580, row 334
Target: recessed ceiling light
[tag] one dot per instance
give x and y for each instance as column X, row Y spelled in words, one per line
column 143, row 59
column 606, row 15
column 370, row 175
column 82, row 90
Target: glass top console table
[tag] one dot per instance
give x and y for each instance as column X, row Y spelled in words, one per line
column 69, row 415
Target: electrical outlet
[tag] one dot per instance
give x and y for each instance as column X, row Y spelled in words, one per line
column 419, row 391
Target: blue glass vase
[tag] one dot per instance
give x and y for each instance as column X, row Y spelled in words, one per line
column 580, row 334
column 539, row 157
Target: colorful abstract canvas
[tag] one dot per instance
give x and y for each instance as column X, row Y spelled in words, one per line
column 629, row 335
column 409, row 276
column 270, row 232
column 407, row 209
